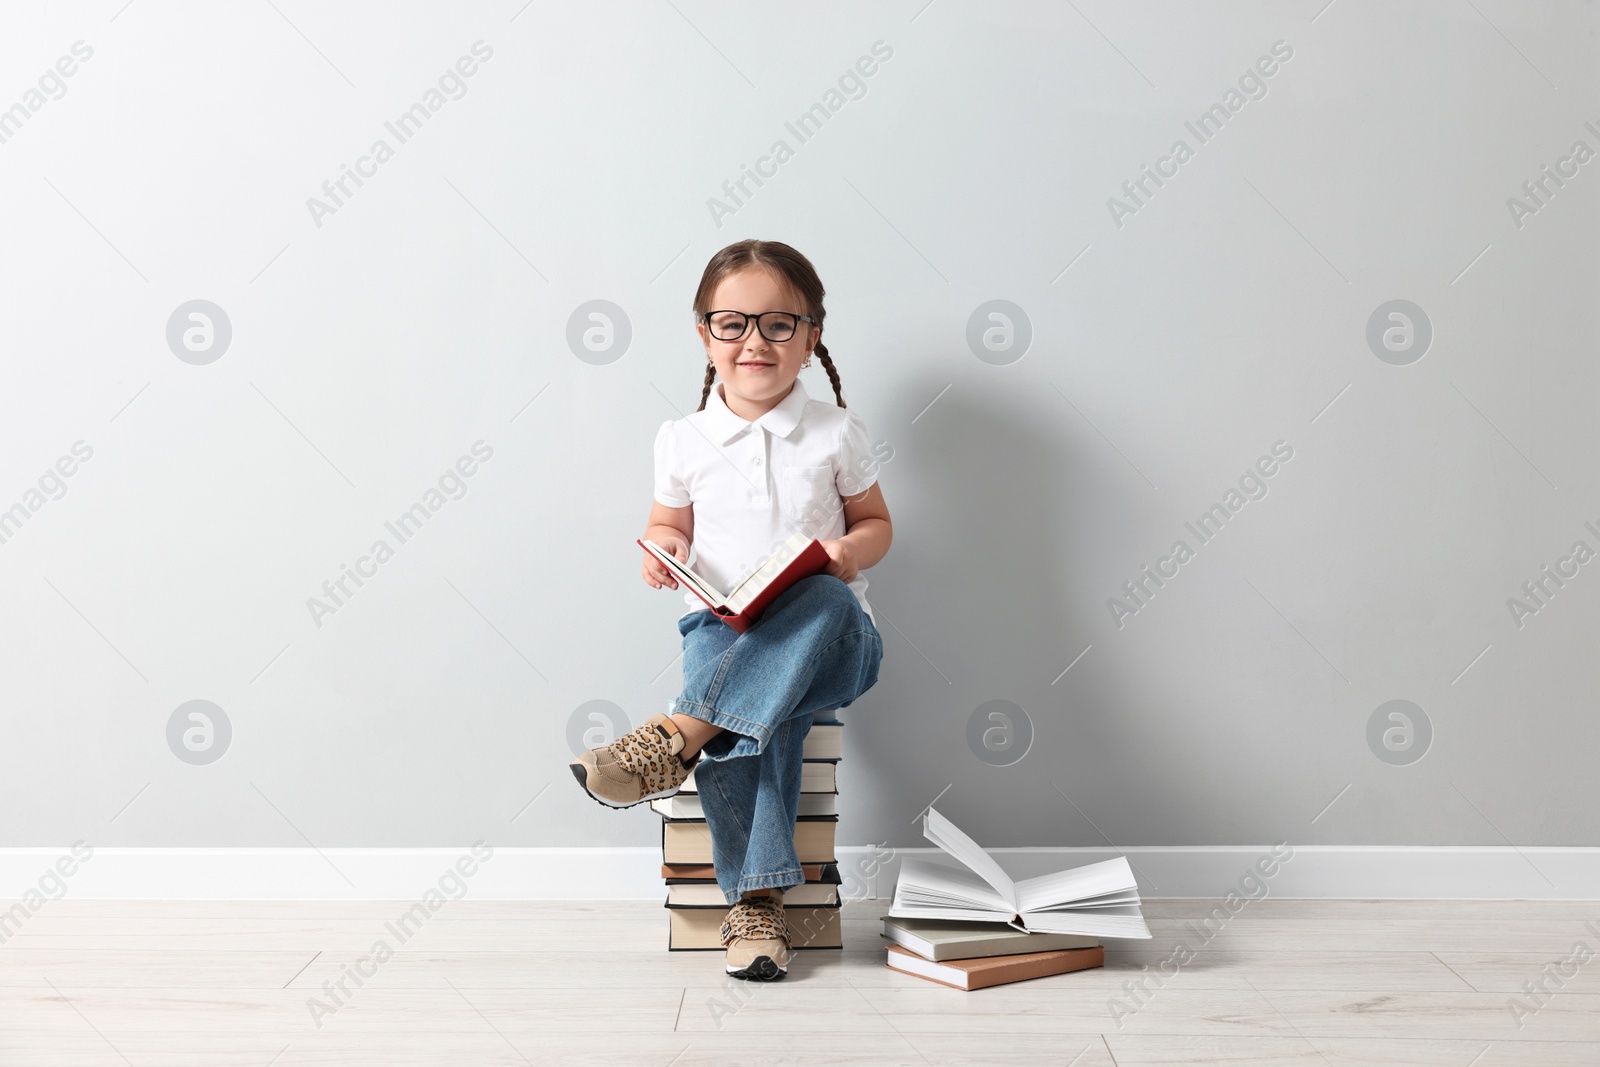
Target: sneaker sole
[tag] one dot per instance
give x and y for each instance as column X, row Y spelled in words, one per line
column 761, row 969
column 581, row 773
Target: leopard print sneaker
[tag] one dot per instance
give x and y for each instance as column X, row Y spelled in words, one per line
column 756, row 938
column 643, row 764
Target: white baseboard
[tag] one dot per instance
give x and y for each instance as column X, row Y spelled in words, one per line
column 1314, row 871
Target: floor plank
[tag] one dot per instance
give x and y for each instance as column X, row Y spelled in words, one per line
column 1330, row 983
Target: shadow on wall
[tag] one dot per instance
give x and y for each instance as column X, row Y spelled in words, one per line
column 983, row 598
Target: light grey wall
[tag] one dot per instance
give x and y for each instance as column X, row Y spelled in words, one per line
column 1169, row 349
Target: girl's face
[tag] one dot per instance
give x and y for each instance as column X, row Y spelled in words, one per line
column 752, row 368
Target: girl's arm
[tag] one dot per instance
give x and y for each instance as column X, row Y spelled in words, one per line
column 673, row 530
column 868, row 532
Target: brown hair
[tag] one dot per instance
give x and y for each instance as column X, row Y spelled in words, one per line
column 789, row 266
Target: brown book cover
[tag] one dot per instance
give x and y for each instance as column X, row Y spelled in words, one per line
column 705, row 872
column 987, row 971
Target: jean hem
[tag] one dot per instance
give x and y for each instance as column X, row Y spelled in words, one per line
column 780, row 880
column 727, row 721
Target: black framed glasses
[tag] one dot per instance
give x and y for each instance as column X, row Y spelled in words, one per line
column 774, row 325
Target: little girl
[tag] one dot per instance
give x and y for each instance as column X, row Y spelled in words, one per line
column 757, row 461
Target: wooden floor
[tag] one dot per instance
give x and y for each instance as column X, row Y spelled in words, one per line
column 1381, row 983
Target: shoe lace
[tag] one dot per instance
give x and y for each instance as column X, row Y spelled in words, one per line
column 757, row 919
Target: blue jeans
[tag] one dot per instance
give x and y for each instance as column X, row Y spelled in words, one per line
column 813, row 650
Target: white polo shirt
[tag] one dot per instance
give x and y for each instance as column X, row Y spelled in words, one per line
column 753, row 484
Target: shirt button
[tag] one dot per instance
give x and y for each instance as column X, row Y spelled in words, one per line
column 756, row 461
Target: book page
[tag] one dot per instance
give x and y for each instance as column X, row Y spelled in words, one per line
column 1105, row 901
column 1110, row 922
column 1111, row 878
column 683, row 573
column 771, row 567
column 944, row 833
column 930, row 888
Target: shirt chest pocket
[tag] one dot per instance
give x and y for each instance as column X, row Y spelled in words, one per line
column 808, row 496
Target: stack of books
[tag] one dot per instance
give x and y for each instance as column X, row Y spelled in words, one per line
column 969, row 925
column 695, row 904
column 972, row 955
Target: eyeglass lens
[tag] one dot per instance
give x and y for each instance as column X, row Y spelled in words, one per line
column 731, row 325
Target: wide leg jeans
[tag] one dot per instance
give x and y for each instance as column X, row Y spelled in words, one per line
column 813, row 650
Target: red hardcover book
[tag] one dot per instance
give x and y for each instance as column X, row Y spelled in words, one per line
column 797, row 558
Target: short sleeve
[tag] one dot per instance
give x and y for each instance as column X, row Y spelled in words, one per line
column 856, row 462
column 669, row 486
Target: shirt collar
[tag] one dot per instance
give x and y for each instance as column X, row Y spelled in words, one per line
column 725, row 425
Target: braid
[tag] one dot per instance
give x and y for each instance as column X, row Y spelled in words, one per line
column 711, row 376
column 833, row 372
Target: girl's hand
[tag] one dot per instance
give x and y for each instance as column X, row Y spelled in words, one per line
column 655, row 574
column 842, row 560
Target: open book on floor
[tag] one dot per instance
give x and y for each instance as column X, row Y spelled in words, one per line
column 798, row 557
column 1096, row 900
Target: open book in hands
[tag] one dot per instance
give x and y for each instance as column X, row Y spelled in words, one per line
column 798, row 557
column 1098, row 900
